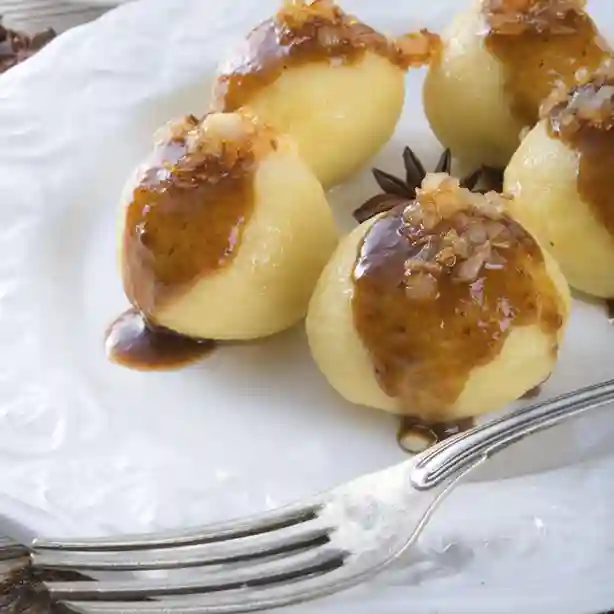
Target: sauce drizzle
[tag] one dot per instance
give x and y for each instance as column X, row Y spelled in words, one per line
column 132, row 342
column 423, row 351
column 309, row 32
column 540, row 43
column 187, row 214
column 584, row 121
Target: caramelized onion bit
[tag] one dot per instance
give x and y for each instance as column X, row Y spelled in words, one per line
column 462, row 233
column 335, row 29
column 590, row 103
column 421, row 286
column 231, row 145
column 513, row 17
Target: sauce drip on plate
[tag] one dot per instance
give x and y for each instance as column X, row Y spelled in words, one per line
column 132, row 342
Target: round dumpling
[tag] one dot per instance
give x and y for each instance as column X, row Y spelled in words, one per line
column 224, row 230
column 499, row 60
column 440, row 309
column 563, row 186
column 333, row 83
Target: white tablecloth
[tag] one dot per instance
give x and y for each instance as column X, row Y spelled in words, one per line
column 33, row 15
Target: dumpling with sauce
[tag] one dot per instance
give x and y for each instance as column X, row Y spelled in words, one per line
column 333, row 83
column 224, row 230
column 499, row 60
column 563, row 182
column 442, row 308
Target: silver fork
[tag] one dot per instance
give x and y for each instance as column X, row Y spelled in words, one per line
column 302, row 552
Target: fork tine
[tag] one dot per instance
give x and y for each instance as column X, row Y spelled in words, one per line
column 307, row 534
column 304, row 563
column 250, row 599
column 279, row 519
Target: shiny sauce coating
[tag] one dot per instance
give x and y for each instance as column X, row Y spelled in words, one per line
column 539, row 48
column 594, row 142
column 423, row 351
column 132, row 342
column 184, row 222
column 323, row 33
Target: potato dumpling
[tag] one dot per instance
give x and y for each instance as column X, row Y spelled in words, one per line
column 441, row 309
column 225, row 230
column 499, row 60
column 563, row 182
column 333, row 83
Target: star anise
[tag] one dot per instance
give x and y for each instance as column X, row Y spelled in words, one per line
column 397, row 191
column 15, row 47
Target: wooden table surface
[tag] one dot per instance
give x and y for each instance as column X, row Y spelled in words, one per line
column 36, row 15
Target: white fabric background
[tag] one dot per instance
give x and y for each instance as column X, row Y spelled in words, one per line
column 33, row 15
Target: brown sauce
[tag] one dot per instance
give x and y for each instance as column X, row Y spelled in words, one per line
column 295, row 36
column 423, row 351
column 594, row 142
column 532, row 394
column 132, row 342
column 540, row 48
column 185, row 221
column 430, row 434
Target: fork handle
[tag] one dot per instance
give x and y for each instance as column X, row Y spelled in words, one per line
column 457, row 453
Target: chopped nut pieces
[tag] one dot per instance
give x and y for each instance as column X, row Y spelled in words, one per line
column 15, row 47
column 516, row 16
column 461, row 231
column 333, row 29
column 230, row 146
column 187, row 214
column 590, row 103
column 398, row 191
column 176, row 129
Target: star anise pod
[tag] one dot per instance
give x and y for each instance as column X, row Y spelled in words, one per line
column 397, row 191
column 15, row 47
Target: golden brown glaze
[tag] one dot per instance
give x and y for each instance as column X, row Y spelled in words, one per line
column 423, row 348
column 132, row 342
column 540, row 43
column 584, row 120
column 187, row 215
column 314, row 32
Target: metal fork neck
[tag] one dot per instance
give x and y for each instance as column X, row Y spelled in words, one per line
column 454, row 455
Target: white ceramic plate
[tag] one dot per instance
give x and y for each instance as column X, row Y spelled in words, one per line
column 109, row 3
column 87, row 447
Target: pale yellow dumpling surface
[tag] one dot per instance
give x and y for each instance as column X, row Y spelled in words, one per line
column 329, row 80
column 286, row 242
column 525, row 361
column 339, row 115
column 543, row 176
column 464, row 96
